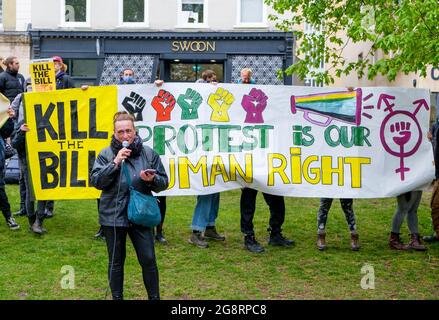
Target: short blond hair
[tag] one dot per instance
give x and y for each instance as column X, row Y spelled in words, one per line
column 247, row 70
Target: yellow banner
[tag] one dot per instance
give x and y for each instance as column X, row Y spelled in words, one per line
column 68, row 129
column 42, row 74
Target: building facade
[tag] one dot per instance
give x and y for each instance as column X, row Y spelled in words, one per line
column 174, row 40
column 14, row 38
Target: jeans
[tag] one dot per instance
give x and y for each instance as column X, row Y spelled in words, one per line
column 325, row 206
column 206, row 211
column 275, row 203
column 408, row 204
column 143, row 243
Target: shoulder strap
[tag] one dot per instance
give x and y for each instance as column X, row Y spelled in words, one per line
column 127, row 176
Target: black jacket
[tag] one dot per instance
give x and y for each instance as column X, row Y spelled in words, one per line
column 110, row 179
column 5, row 132
column 63, row 81
column 11, row 84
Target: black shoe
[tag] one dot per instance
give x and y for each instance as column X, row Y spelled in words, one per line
column 277, row 239
column 160, row 238
column 432, row 238
column 20, row 213
column 252, row 245
column 48, row 214
column 99, row 235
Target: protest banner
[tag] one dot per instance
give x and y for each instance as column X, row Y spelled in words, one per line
column 42, row 74
column 285, row 140
column 68, row 128
column 4, row 105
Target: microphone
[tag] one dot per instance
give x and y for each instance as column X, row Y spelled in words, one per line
column 125, row 144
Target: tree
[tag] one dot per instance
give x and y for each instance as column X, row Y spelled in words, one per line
column 406, row 32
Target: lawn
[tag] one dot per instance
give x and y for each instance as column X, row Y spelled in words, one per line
column 31, row 266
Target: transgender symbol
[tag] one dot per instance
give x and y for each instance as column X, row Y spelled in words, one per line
column 400, row 132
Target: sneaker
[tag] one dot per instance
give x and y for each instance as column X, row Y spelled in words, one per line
column 160, row 238
column 252, row 245
column 12, row 224
column 279, row 240
column 197, row 239
column 213, row 234
column 431, row 238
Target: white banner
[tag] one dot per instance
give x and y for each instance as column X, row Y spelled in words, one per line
column 285, row 140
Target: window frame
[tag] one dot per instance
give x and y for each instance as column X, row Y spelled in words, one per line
column 65, row 23
column 181, row 24
column 240, row 24
column 144, row 24
column 2, row 16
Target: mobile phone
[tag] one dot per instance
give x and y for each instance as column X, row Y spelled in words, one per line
column 150, row 171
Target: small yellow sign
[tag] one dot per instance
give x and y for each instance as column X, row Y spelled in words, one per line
column 42, row 73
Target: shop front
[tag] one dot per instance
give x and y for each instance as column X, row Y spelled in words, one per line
column 97, row 58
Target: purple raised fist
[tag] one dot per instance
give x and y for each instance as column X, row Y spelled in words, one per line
column 254, row 104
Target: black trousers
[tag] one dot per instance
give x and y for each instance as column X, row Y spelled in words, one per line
column 4, row 202
column 161, row 200
column 143, row 243
column 275, row 203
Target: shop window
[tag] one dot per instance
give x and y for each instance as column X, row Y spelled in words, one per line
column 192, row 13
column 75, row 12
column 251, row 12
column 82, row 71
column 133, row 12
column 191, row 72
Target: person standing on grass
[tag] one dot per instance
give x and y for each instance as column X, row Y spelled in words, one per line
column 113, row 217
column 275, row 203
column 11, row 84
column 434, row 203
column 322, row 216
column 408, row 204
column 207, row 207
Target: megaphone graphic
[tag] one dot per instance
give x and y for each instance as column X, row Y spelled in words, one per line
column 343, row 106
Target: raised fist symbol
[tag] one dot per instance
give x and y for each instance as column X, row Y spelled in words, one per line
column 189, row 103
column 220, row 102
column 403, row 129
column 134, row 104
column 163, row 104
column 254, row 104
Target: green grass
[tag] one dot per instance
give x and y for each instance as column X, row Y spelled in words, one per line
column 31, row 265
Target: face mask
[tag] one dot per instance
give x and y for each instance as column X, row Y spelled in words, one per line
column 128, row 78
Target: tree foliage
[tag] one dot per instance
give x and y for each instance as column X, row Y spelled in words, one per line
column 405, row 32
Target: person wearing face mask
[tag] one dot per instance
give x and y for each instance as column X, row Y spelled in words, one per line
column 113, row 217
column 127, row 77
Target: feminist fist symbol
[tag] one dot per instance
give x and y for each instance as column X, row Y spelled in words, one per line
column 220, row 102
column 163, row 104
column 254, row 104
column 402, row 128
column 189, row 111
